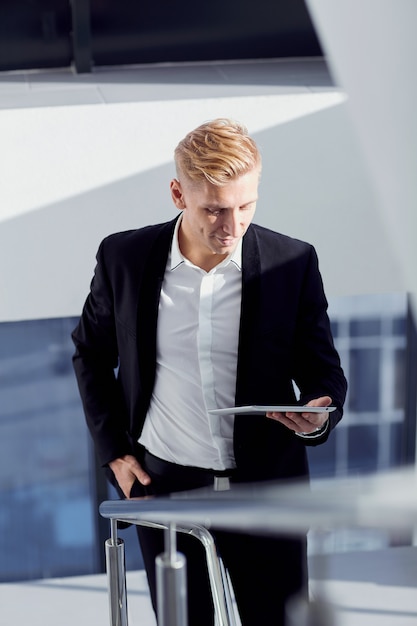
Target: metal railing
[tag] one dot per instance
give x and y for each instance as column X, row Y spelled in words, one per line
column 385, row 501
column 170, row 575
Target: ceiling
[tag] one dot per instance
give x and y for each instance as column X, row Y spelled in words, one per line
column 38, row 34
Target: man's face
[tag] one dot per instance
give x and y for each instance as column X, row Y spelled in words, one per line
column 214, row 218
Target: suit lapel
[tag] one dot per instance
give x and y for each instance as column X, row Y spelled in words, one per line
column 251, row 270
column 148, row 304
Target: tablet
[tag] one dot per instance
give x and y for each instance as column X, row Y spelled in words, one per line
column 256, row 408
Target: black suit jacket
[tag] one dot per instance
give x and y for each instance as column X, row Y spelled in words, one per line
column 284, row 337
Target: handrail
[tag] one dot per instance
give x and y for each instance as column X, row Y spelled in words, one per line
column 386, row 501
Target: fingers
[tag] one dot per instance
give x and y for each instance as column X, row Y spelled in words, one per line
column 305, row 422
column 126, row 470
column 142, row 476
column 322, row 401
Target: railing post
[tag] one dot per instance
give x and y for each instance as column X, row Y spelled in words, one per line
column 171, row 583
column 116, row 578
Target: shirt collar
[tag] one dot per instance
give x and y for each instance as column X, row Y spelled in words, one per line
column 177, row 258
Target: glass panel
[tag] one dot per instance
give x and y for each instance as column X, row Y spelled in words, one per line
column 372, row 341
column 47, row 517
column 374, row 434
column 48, row 513
column 395, row 444
column 364, row 379
column 365, row 327
column 363, row 449
column 322, row 459
column 399, row 326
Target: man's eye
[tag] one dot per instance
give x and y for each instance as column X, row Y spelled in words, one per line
column 248, row 207
column 215, row 212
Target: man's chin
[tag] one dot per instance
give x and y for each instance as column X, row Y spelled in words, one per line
column 223, row 251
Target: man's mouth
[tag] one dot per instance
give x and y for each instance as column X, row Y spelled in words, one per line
column 226, row 241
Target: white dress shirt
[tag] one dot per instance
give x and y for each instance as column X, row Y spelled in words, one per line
column 197, row 346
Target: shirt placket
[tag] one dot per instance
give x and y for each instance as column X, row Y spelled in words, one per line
column 205, row 338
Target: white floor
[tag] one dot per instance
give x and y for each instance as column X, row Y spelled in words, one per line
column 75, row 601
column 370, row 588
column 376, row 588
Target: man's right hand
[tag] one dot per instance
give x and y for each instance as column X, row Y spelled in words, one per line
column 126, row 470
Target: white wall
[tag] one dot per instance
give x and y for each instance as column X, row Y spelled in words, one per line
column 372, row 50
column 73, row 174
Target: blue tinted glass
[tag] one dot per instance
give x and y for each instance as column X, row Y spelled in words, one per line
column 399, row 326
column 47, row 517
column 364, row 379
column 396, row 439
column 363, row 448
column 322, row 459
column 365, row 327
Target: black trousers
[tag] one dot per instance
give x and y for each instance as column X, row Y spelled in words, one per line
column 265, row 571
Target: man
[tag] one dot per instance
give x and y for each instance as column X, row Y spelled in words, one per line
column 204, row 312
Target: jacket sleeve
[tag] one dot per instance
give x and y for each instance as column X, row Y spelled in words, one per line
column 316, row 365
column 95, row 364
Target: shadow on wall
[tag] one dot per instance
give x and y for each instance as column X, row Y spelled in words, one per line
column 313, row 187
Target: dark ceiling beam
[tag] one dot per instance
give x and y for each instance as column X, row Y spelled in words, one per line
column 81, row 35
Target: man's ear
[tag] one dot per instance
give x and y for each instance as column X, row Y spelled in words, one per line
column 176, row 194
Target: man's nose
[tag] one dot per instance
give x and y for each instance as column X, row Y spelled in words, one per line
column 231, row 224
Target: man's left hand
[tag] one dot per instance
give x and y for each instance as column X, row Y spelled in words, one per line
column 304, row 423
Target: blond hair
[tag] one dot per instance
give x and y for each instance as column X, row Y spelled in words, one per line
column 217, row 151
